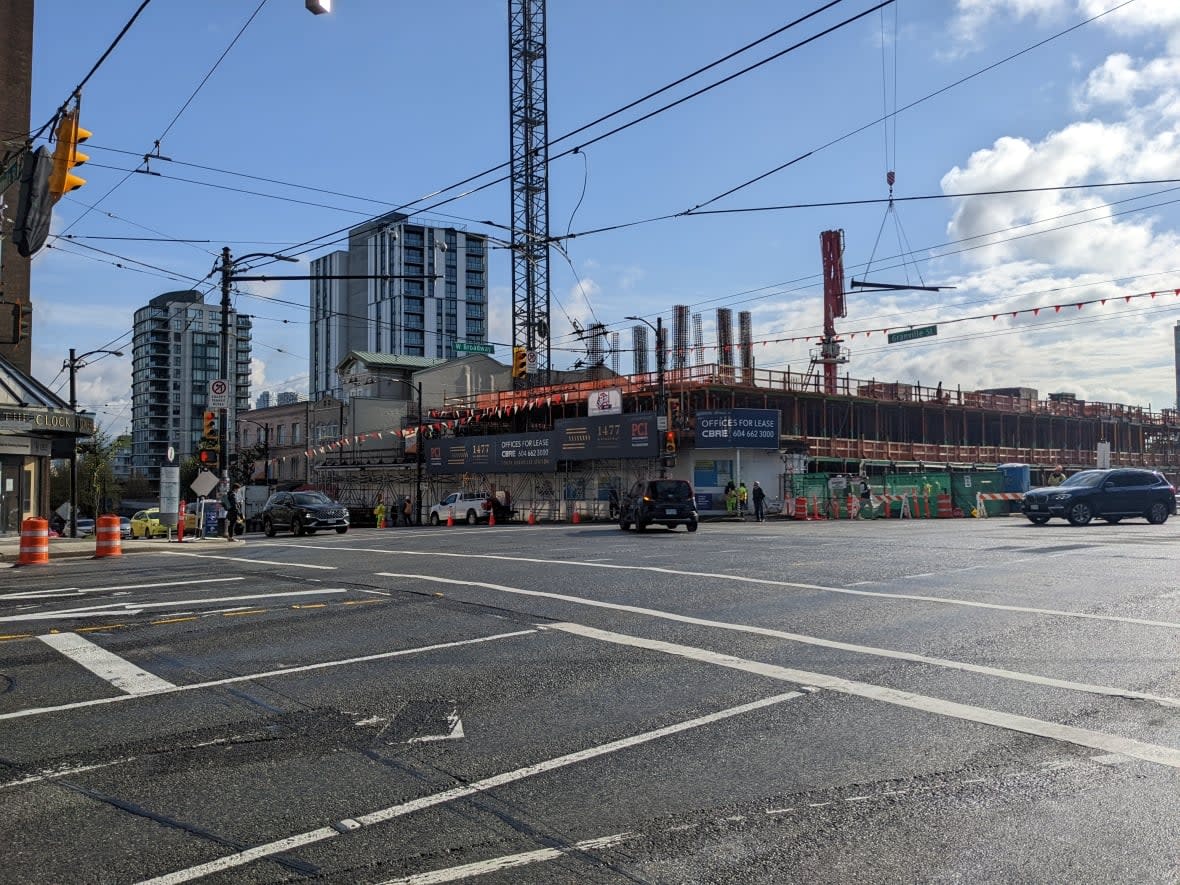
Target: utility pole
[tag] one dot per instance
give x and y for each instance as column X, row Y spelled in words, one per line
column 227, row 268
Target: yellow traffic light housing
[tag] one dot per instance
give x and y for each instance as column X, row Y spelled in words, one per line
column 210, row 459
column 209, row 426
column 66, row 156
column 520, row 361
column 670, row 442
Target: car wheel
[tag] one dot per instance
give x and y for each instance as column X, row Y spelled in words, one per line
column 624, row 525
column 1080, row 514
column 434, row 520
column 297, row 527
column 1038, row 520
column 692, row 526
column 1157, row 514
column 472, row 517
column 268, row 527
column 341, row 529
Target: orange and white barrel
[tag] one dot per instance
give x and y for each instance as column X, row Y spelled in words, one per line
column 34, row 542
column 110, row 542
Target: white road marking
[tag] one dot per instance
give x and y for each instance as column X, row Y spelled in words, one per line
column 392, row 812
column 78, row 591
column 266, row 674
column 767, row 582
column 119, row 672
column 115, row 609
column 245, row 559
column 454, row 731
column 49, row 774
column 506, row 862
column 1110, row 759
column 912, row 657
column 1069, row 734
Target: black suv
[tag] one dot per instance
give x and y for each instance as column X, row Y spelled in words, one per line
column 667, row 502
column 1107, row 494
column 303, row 513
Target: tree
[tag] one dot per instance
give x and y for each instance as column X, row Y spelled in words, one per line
column 137, row 487
column 242, row 470
column 97, row 489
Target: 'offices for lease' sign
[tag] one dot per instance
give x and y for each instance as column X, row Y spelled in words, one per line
column 738, row 429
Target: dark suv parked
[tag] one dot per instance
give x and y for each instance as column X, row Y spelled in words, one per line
column 303, row 513
column 1107, row 494
column 667, row 502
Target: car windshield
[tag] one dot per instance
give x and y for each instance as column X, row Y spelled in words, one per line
column 1085, row 479
column 670, row 490
column 312, row 498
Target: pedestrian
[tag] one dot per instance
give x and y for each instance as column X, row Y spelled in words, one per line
column 759, row 497
column 730, row 498
column 1057, row 477
column 743, row 497
column 614, row 503
column 232, row 511
column 866, row 499
column 379, row 512
column 408, row 511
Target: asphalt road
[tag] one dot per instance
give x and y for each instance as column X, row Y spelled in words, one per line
column 889, row 701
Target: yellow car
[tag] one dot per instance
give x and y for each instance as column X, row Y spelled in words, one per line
column 146, row 524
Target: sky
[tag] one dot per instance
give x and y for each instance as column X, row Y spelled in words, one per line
column 282, row 129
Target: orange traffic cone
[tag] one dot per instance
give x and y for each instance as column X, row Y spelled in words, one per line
column 491, row 517
column 450, row 517
column 532, row 518
column 577, row 516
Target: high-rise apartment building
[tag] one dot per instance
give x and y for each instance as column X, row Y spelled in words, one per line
column 176, row 352
column 435, row 296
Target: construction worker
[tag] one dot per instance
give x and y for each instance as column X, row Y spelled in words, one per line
column 1057, row 477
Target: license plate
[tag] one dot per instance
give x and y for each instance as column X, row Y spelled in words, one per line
column 669, row 511
column 1034, row 506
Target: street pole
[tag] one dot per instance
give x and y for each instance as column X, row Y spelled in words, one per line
column 661, row 390
column 662, row 405
column 227, row 267
column 266, row 456
column 418, row 488
column 74, row 450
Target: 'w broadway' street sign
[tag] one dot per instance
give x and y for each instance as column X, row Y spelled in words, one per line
column 911, row 334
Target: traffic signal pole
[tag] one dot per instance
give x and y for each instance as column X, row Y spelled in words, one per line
column 227, row 267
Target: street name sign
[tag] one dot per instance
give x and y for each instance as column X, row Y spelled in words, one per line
column 912, row 334
column 474, row 347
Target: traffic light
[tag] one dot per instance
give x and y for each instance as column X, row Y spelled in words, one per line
column 520, row 361
column 210, row 459
column 670, row 442
column 66, row 156
column 209, row 426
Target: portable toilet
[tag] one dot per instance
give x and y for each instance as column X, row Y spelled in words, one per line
column 1017, row 478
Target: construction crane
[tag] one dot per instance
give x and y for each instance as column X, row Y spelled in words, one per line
column 529, row 155
column 831, row 354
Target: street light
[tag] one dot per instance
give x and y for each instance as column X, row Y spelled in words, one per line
column 73, row 364
column 418, row 450
column 662, row 396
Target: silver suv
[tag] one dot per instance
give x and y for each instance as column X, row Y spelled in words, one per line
column 468, row 507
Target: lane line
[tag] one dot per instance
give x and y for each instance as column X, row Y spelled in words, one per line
column 330, row 568
column 266, row 674
column 911, row 657
column 505, row 862
column 78, row 591
column 768, row 582
column 119, row 672
column 300, row 840
column 134, row 608
column 1068, row 734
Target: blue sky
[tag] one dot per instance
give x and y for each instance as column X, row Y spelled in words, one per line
column 383, row 101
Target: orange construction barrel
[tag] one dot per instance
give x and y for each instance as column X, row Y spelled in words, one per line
column 34, row 542
column 110, row 542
